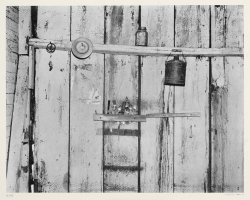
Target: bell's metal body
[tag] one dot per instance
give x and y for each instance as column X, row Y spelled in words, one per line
column 175, row 72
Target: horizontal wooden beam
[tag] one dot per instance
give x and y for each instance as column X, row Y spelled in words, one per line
column 144, row 51
column 42, row 44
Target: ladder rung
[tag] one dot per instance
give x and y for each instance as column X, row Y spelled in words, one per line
column 121, row 168
column 118, row 188
column 121, row 132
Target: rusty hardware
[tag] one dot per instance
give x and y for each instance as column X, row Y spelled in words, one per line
column 141, row 37
column 82, row 48
column 51, row 47
column 175, row 71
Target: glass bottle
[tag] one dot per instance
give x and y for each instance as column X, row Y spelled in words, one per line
column 141, row 37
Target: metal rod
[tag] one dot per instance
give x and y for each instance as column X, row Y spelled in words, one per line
column 144, row 51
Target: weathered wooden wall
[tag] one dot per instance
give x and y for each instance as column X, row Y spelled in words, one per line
column 12, row 17
column 121, row 81
column 75, row 154
column 191, row 134
column 227, row 102
column 86, row 97
column 157, row 134
column 17, row 173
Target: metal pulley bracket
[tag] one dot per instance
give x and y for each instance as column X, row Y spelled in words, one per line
column 82, row 48
column 51, row 47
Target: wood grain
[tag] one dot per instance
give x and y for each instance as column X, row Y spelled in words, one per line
column 191, row 134
column 11, row 67
column 174, row 151
column 121, row 81
column 24, row 28
column 157, row 134
column 119, row 118
column 227, row 102
column 52, row 103
column 166, row 115
column 14, row 167
column 144, row 51
column 120, row 181
column 86, row 98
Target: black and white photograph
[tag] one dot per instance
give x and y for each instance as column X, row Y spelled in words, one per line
column 125, row 98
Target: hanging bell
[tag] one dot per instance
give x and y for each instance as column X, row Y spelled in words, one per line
column 175, row 72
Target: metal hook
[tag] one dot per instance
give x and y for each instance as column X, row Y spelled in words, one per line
column 178, row 50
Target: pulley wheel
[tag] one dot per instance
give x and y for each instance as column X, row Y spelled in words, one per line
column 82, row 48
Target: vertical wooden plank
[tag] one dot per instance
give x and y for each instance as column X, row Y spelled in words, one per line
column 227, row 102
column 9, row 112
column 86, row 98
column 191, row 134
column 24, row 28
column 157, row 134
column 234, row 170
column 218, row 29
column 52, row 102
column 15, row 168
column 121, row 81
column 11, row 64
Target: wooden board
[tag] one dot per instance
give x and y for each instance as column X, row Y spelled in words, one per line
column 11, row 63
column 11, row 66
column 24, row 28
column 121, row 81
column 14, row 169
column 120, row 181
column 191, row 134
column 86, row 98
column 154, row 51
column 157, row 134
column 52, row 102
column 12, row 13
column 119, row 118
column 227, row 102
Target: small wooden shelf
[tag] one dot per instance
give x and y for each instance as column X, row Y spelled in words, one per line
column 163, row 115
column 140, row 118
column 119, row 118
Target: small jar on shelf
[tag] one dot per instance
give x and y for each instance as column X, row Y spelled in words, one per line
column 141, row 37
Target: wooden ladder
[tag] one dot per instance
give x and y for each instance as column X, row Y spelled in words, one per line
column 121, row 173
